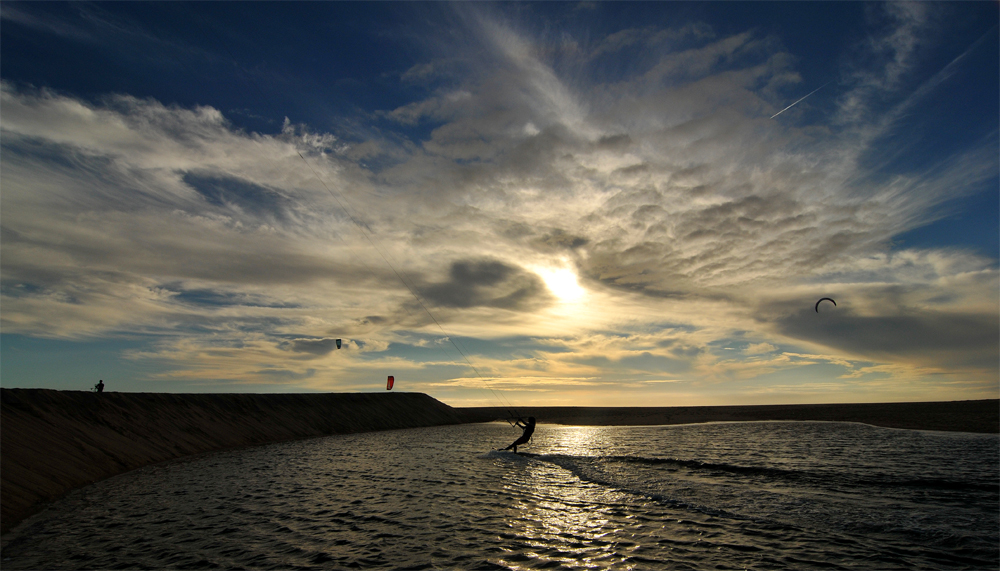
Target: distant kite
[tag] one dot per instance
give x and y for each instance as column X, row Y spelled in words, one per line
column 824, row 298
column 338, row 343
column 389, row 382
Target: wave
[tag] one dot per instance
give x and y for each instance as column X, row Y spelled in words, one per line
column 821, row 479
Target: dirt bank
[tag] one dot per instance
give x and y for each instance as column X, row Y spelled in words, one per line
column 55, row 441
column 961, row 416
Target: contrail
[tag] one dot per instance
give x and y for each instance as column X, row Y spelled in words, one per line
column 807, row 95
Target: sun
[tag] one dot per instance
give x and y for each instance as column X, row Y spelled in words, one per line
column 562, row 283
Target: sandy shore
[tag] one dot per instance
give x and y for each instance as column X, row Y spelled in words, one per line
column 961, row 416
column 54, row 441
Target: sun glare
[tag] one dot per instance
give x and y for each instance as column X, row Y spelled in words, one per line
column 562, row 283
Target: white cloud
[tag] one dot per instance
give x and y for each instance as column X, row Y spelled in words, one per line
column 759, row 349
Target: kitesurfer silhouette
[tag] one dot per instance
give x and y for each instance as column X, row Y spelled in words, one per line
column 529, row 428
column 100, row 386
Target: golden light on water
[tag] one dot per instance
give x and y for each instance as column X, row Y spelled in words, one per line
column 578, row 440
column 556, row 508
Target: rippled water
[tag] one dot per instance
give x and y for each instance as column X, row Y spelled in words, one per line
column 770, row 495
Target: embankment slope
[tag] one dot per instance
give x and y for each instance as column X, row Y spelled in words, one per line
column 55, row 441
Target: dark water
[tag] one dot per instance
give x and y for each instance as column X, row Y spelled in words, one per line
column 773, row 495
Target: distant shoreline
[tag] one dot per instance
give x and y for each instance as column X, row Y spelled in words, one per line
column 981, row 416
column 57, row 441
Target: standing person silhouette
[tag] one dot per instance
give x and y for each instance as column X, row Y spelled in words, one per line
column 529, row 428
column 100, row 386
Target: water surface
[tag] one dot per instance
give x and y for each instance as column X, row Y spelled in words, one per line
column 762, row 495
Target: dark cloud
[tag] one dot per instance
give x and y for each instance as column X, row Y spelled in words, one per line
column 215, row 298
column 488, row 283
column 314, row 346
column 278, row 374
column 615, row 142
column 228, row 192
column 949, row 338
column 687, row 351
column 633, row 170
column 559, row 239
column 515, row 230
column 369, row 324
column 545, row 238
column 640, row 268
column 15, row 289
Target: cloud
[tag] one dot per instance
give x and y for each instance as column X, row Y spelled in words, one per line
column 487, row 283
column 948, row 338
column 687, row 215
column 643, row 39
column 759, row 349
column 49, row 25
column 130, row 214
column 232, row 192
column 314, row 346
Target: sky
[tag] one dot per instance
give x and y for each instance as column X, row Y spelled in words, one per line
column 512, row 204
